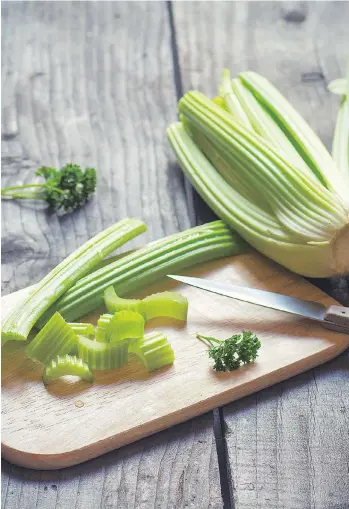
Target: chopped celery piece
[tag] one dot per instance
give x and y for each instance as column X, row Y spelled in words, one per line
column 115, row 303
column 20, row 322
column 102, row 323
column 56, row 338
column 84, row 329
column 100, row 356
column 67, row 365
column 167, row 304
column 146, row 265
column 124, row 325
column 163, row 304
column 153, row 350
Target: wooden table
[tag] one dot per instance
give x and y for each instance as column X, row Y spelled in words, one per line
column 97, row 83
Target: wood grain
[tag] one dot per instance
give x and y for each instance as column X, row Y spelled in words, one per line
column 92, row 82
column 55, row 427
column 176, row 469
column 287, row 447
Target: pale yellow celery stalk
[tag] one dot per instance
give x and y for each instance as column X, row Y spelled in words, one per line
column 306, row 142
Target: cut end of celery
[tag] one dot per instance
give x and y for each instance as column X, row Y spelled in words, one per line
column 67, row 365
column 12, row 336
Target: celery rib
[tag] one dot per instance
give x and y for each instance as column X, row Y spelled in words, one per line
column 146, row 265
column 19, row 323
column 298, row 131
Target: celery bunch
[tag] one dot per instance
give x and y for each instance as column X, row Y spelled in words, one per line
column 262, row 170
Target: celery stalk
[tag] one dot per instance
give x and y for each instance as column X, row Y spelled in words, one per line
column 19, row 323
column 264, row 124
column 232, row 101
column 146, row 265
column 340, row 144
column 299, row 133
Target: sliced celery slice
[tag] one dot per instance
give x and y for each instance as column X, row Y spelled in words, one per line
column 84, row 329
column 115, row 303
column 124, row 325
column 153, row 350
column 166, row 304
column 67, row 365
column 102, row 325
column 163, row 304
column 56, row 338
column 102, row 356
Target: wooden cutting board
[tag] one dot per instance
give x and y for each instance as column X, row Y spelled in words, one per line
column 68, row 423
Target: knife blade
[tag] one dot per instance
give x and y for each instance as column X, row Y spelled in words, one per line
column 336, row 319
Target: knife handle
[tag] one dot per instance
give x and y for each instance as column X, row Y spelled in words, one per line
column 338, row 316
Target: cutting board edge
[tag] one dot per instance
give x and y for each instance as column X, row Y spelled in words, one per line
column 38, row 461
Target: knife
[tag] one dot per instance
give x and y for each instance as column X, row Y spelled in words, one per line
column 332, row 317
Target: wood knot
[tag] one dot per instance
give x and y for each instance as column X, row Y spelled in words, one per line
column 294, row 16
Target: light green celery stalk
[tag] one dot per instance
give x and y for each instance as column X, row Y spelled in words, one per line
column 264, row 124
column 20, row 322
column 299, row 133
column 314, row 259
column 340, row 144
column 143, row 267
column 232, row 102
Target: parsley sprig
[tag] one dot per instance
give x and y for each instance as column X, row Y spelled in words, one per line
column 229, row 354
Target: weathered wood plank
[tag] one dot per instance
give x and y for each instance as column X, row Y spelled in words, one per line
column 287, row 446
column 176, row 469
column 92, row 82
